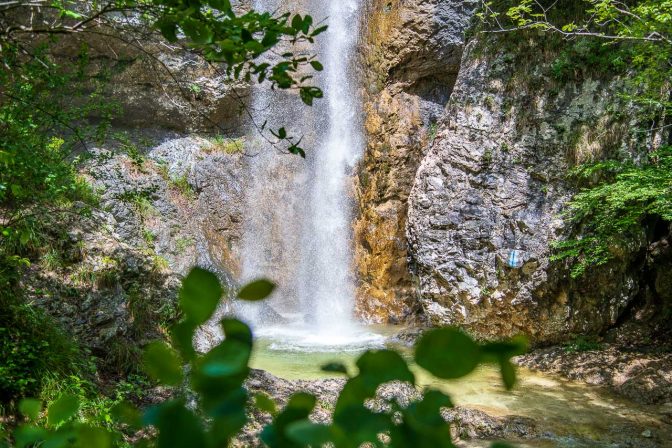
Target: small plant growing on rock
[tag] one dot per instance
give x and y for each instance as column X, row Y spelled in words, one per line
column 432, row 131
column 181, row 184
column 225, row 145
column 182, row 243
column 582, row 344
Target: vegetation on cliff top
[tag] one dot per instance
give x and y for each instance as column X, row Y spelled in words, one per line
column 626, row 199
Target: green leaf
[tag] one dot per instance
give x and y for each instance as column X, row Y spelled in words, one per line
column 29, row 436
column 227, row 359
column 507, row 349
column 424, row 424
column 62, row 409
column 360, row 425
column 182, row 335
column 270, row 39
column 384, row 366
column 265, row 403
column 178, row 427
column 235, row 330
column 306, row 23
column 317, row 65
column 127, row 414
column 297, row 22
column 221, row 5
column 375, row 368
column 163, row 364
column 319, row 30
column 197, row 31
column 200, row 295
column 256, row 290
column 30, row 408
column 298, row 408
column 168, row 29
column 447, row 353
column 295, row 149
column 335, row 367
column 71, row 14
column 89, row 436
column 305, row 432
column 508, row 371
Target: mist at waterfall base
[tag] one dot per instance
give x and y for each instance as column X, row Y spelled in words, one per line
column 297, row 229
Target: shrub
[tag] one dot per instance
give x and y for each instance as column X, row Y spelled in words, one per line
column 31, row 347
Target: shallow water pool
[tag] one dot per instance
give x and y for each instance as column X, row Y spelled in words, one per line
column 567, row 414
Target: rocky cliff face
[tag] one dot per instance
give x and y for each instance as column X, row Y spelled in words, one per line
column 495, row 180
column 411, row 54
column 469, row 150
column 170, row 179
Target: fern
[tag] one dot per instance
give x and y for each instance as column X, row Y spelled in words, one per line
column 612, row 213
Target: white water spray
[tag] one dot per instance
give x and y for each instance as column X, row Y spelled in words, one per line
column 298, row 231
column 328, row 287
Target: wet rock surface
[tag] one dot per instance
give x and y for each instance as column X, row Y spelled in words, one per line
column 411, row 55
column 641, row 376
column 470, row 427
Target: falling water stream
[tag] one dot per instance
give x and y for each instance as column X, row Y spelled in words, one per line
column 298, row 231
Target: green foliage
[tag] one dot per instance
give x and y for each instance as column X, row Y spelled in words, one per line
column 582, row 344
column 181, row 184
column 31, row 347
column 131, row 149
column 585, row 57
column 39, row 183
column 226, row 145
column 217, row 378
column 614, row 211
column 213, row 29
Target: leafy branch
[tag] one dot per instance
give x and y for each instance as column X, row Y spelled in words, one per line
column 218, row 379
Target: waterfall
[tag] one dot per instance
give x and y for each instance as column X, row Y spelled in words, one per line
column 299, row 212
column 327, row 288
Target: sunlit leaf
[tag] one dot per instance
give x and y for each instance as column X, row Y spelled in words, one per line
column 163, row 364
column 447, row 353
column 256, row 290
column 62, row 409
column 200, row 295
column 31, row 408
column 265, row 403
column 28, row 436
column 89, row 436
